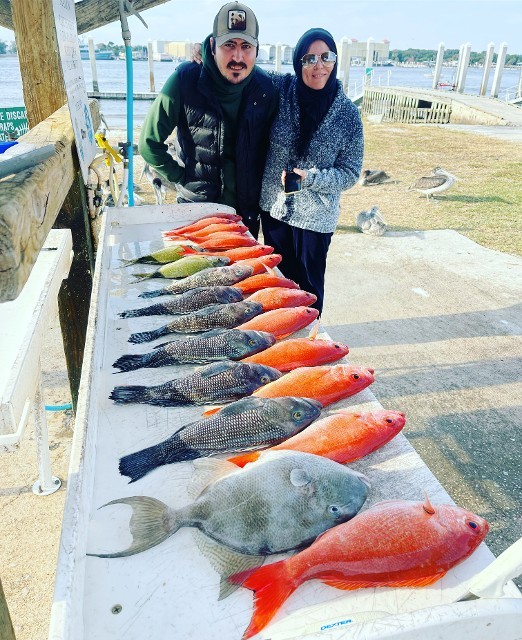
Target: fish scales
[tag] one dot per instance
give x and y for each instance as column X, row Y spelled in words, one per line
column 218, row 344
column 213, row 277
column 191, row 300
column 224, row 316
column 247, row 424
column 184, row 267
column 216, row 382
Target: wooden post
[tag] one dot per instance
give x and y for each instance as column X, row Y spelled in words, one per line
column 6, row 626
column 463, row 67
column 438, row 66
column 150, row 57
column 44, row 93
column 278, row 57
column 487, row 68
column 344, row 62
column 92, row 56
column 370, row 46
column 501, row 61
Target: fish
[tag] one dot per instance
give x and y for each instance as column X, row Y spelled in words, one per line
column 283, row 322
column 281, row 297
column 344, row 436
column 280, row 503
column 218, row 276
column 264, row 280
column 249, row 423
column 223, row 240
column 186, row 266
column 224, row 381
column 259, row 264
column 300, row 352
column 218, row 344
column 217, row 316
column 162, row 256
column 397, row 543
column 234, row 255
column 205, row 222
column 235, row 227
column 327, row 384
column 191, row 300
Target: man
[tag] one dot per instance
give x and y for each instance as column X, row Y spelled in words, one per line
column 222, row 111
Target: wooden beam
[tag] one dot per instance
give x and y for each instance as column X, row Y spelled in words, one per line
column 90, row 14
column 31, row 200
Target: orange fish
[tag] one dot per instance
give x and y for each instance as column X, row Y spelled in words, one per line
column 204, row 222
column 228, row 227
column 300, row 352
column 264, row 280
column 344, row 436
column 280, row 297
column 259, row 264
column 397, row 543
column 325, row 384
column 283, row 322
column 225, row 240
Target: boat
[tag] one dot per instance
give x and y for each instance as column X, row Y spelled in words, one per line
column 99, row 54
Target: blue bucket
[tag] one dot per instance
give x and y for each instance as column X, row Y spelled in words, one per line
column 5, row 144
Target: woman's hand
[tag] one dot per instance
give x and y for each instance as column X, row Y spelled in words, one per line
column 300, row 172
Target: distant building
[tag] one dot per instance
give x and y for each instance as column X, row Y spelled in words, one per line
column 180, row 50
column 159, row 46
column 357, row 51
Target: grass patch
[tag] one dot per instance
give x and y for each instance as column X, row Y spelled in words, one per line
column 485, row 204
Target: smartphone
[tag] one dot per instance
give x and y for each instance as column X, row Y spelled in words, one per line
column 292, row 182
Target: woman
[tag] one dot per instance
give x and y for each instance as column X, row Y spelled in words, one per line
column 317, row 134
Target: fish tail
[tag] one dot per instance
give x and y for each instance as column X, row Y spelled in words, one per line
column 134, row 393
column 149, row 525
column 271, row 586
column 131, row 362
column 244, row 458
column 128, row 263
column 132, row 313
column 144, row 276
column 153, row 294
column 147, row 336
column 138, row 464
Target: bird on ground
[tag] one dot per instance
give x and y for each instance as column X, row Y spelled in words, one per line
column 440, row 180
column 369, row 178
column 371, row 222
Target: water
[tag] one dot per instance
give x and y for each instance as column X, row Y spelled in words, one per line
column 111, row 78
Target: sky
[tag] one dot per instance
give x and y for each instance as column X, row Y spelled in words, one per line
column 420, row 24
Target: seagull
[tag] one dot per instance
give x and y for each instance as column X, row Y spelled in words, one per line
column 439, row 181
column 159, row 184
column 370, row 178
column 371, row 222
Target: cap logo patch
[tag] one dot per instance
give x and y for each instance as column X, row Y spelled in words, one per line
column 236, row 20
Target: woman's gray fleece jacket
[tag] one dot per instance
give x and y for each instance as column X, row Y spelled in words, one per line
column 333, row 161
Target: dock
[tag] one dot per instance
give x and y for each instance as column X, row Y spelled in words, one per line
column 413, row 106
column 119, row 95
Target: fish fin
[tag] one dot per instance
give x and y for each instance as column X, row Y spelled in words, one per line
column 148, row 525
column 126, row 395
column 285, row 335
column 138, row 464
column 216, row 368
column 315, row 330
column 271, row 586
column 270, row 270
column 225, row 561
column 427, row 506
column 352, row 585
column 153, row 294
column 244, row 458
column 212, row 411
column 206, row 471
column 188, row 250
column 145, row 276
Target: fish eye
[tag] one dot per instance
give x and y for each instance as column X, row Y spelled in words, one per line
column 251, row 342
column 472, row 524
column 333, row 509
column 389, row 420
column 337, row 346
column 265, row 379
column 297, row 415
column 355, row 376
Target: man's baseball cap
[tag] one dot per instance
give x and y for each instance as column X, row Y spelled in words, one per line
column 235, row 20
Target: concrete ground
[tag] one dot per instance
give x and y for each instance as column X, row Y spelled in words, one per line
column 439, row 318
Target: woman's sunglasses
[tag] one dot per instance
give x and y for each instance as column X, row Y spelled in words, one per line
column 328, row 58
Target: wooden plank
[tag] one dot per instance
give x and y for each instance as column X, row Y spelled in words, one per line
column 30, row 200
column 90, row 14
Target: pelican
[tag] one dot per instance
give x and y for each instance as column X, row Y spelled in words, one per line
column 439, row 181
column 159, row 184
column 370, row 178
column 371, row 222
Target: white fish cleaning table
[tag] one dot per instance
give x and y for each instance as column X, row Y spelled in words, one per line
column 171, row 590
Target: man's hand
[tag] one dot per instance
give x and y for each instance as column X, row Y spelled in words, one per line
column 196, row 53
